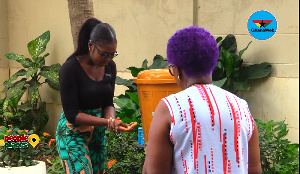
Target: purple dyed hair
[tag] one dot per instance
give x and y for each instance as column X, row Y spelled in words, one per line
column 194, row 50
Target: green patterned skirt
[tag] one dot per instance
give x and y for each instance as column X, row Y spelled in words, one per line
column 82, row 149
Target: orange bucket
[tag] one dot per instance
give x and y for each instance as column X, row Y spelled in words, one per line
column 153, row 85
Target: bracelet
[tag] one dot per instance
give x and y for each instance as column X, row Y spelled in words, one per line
column 110, row 125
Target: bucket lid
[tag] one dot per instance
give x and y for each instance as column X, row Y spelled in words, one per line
column 154, row 76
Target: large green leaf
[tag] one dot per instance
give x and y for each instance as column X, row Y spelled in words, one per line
column 128, row 115
column 31, row 71
column 16, row 89
column 8, row 114
column 219, row 39
column 229, row 43
column 241, row 85
column 15, row 100
column 256, row 71
column 53, row 85
column 158, row 62
column 26, row 62
column 41, row 60
column 220, row 83
column 124, row 82
column 32, row 49
column 125, row 103
column 38, row 46
column 25, row 106
column 144, row 64
column 134, row 70
column 33, row 91
column 228, row 62
column 7, row 87
column 134, row 97
column 21, row 72
column 5, row 104
column 51, row 72
column 243, row 50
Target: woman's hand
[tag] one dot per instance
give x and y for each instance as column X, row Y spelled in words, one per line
column 117, row 125
column 129, row 127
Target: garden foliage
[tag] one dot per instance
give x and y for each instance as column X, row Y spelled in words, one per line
column 230, row 73
column 278, row 154
column 31, row 113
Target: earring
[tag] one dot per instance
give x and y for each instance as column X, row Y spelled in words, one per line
column 178, row 78
column 89, row 48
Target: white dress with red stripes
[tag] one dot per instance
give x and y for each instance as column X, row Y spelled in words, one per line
column 210, row 131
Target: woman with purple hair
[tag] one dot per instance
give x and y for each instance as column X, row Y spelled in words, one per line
column 202, row 129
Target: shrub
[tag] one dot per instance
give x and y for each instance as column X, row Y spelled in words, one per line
column 278, row 155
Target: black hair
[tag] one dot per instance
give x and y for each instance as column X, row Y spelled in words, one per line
column 103, row 32
column 96, row 31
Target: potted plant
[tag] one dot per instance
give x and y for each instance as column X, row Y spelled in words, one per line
column 27, row 115
column 31, row 113
column 17, row 152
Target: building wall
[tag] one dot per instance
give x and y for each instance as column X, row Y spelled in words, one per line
column 276, row 97
column 4, row 69
column 143, row 28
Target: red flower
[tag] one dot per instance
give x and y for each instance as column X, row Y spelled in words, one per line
column 45, row 134
column 1, row 126
column 51, row 141
column 9, row 125
column 110, row 163
column 8, row 130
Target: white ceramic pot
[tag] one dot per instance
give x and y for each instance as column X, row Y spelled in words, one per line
column 39, row 168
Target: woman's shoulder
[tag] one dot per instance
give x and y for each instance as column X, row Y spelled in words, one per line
column 69, row 64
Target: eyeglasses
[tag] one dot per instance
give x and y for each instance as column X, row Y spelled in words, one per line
column 171, row 69
column 105, row 56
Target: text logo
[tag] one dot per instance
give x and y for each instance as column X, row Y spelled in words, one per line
column 262, row 25
column 19, row 141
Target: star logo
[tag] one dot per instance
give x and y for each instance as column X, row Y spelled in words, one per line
column 262, row 23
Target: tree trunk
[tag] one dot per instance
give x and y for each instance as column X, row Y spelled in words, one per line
column 79, row 11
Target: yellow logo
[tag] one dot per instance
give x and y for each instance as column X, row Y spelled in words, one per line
column 2, row 143
column 34, row 139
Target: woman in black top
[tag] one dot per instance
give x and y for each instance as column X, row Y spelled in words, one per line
column 87, row 83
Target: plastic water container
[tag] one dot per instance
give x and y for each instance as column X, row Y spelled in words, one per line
column 153, row 85
column 140, row 136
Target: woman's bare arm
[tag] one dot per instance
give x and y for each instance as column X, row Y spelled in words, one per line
column 254, row 166
column 159, row 149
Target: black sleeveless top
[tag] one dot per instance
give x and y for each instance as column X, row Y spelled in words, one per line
column 78, row 91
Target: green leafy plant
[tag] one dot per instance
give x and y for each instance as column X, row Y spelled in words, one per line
column 31, row 113
column 55, row 166
column 278, row 155
column 16, row 156
column 129, row 158
column 230, row 73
